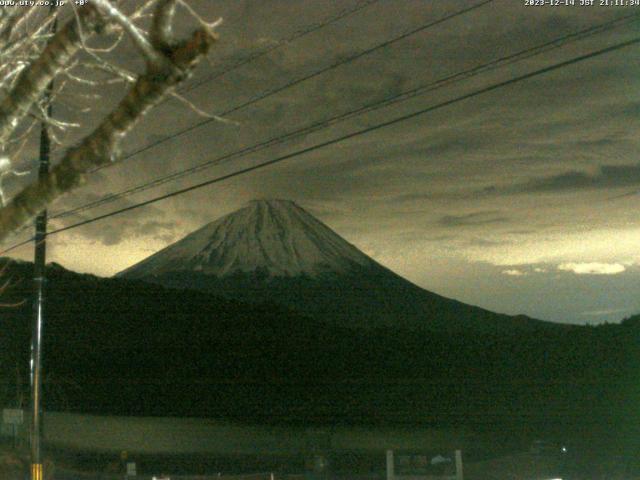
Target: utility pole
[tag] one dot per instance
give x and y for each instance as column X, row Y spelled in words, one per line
column 39, row 277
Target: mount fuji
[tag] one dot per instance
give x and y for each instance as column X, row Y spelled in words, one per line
column 274, row 251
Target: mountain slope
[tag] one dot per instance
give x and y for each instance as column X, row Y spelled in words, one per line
column 275, row 251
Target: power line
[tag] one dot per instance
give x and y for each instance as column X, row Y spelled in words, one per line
column 307, row 30
column 17, row 245
column 348, row 136
column 429, row 87
column 293, row 83
column 344, row 13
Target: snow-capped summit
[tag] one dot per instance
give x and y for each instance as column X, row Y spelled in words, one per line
column 272, row 236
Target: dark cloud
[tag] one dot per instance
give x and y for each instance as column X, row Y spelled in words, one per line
column 150, row 223
column 606, row 177
column 115, row 233
column 631, row 110
column 473, row 219
column 597, row 143
column 413, row 197
column 483, row 242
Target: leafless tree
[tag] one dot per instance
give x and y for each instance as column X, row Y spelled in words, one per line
column 33, row 55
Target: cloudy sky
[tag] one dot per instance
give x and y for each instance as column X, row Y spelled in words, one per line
column 521, row 200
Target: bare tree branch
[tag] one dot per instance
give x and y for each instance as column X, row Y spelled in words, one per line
column 33, row 81
column 161, row 26
column 138, row 37
column 101, row 146
column 10, row 21
column 192, row 106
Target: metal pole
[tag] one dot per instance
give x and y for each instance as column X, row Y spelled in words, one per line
column 39, row 277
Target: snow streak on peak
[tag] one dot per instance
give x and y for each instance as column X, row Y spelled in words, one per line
column 271, row 236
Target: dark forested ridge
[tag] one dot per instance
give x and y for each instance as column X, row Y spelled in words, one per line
column 126, row 347
column 362, row 298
